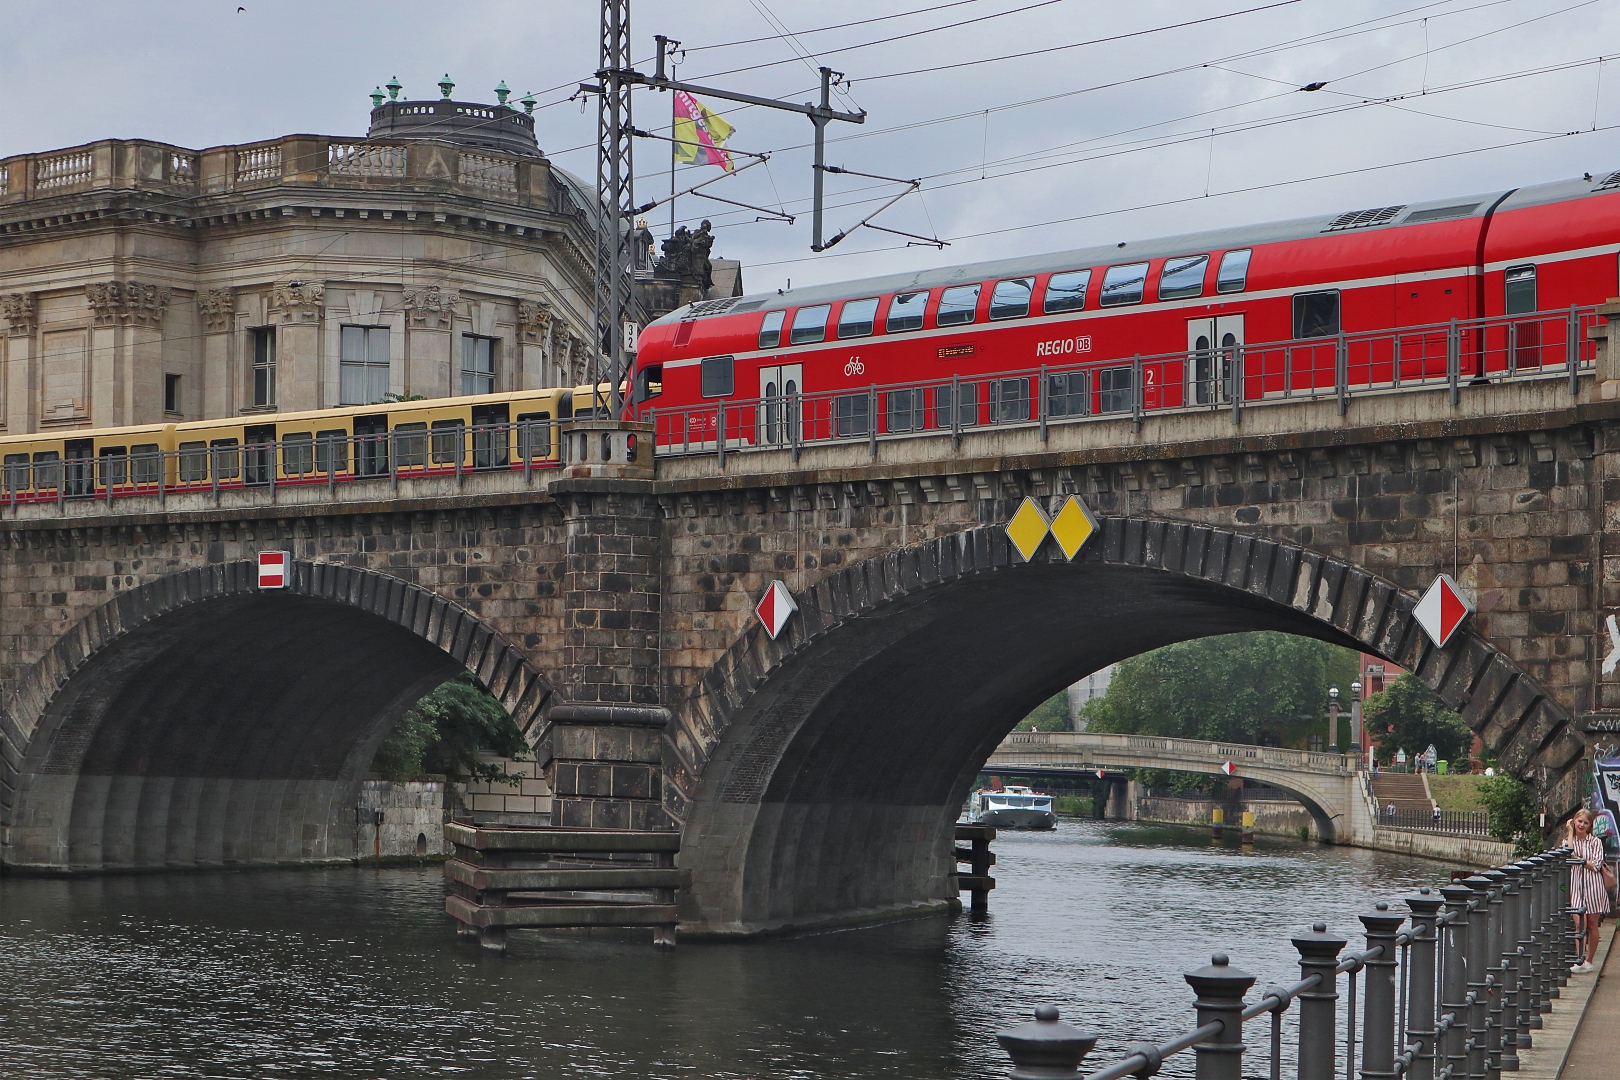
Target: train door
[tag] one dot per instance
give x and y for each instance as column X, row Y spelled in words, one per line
column 492, row 436
column 79, row 455
column 1212, row 346
column 371, row 445
column 258, row 453
column 779, row 389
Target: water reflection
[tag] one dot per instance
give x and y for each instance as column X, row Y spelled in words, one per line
column 354, row 973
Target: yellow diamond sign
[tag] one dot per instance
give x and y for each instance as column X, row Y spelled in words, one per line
column 1028, row 528
column 1073, row 526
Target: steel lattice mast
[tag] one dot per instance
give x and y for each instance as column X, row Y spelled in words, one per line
column 615, row 268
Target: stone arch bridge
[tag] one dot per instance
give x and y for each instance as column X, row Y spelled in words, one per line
column 160, row 711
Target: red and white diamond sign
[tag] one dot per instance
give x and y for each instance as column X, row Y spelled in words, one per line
column 1228, row 768
column 775, row 608
column 1102, row 774
column 1442, row 610
column 275, row 567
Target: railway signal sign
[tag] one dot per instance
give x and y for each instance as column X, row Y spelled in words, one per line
column 775, row 608
column 1102, row 774
column 1229, row 768
column 1072, row 527
column 1442, row 610
column 275, row 568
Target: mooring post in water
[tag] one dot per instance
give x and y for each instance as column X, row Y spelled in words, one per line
column 1220, row 988
column 1218, row 821
column 977, row 882
column 1248, row 827
column 1318, row 1006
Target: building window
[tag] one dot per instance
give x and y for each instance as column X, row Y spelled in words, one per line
column 363, row 372
column 171, row 393
column 477, row 364
column 264, row 366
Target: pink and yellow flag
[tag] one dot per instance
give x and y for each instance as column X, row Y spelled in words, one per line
column 700, row 133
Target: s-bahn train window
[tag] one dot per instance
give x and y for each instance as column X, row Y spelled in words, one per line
column 227, row 460
column 193, row 462
column 331, row 451
column 718, row 377
column 905, row 409
column 1234, row 272
column 114, row 466
column 966, row 396
column 1066, row 394
column 17, row 475
column 958, row 305
column 1519, row 284
column 446, row 442
column 856, row 318
column 809, row 324
column 770, row 331
column 852, row 414
column 47, row 469
column 148, row 462
column 1123, row 284
column 298, row 453
column 1183, row 277
column 1114, row 389
column 906, row 311
column 410, row 444
column 1066, row 291
column 1010, row 298
column 1316, row 314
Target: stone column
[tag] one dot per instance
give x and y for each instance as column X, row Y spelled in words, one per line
column 216, row 314
column 126, row 352
column 430, row 365
column 1607, row 337
column 534, row 328
column 295, row 310
column 22, row 362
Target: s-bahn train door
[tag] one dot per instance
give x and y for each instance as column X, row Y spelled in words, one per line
column 1212, row 346
column 779, row 389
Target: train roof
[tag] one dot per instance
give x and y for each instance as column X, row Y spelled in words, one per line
column 1451, row 209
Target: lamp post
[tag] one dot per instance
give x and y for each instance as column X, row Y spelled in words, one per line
column 1355, row 721
column 1333, row 719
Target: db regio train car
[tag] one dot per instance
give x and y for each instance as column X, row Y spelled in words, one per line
column 1395, row 297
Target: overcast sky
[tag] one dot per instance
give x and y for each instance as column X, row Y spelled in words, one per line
column 1157, row 131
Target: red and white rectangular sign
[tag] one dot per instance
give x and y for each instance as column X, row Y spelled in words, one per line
column 275, row 568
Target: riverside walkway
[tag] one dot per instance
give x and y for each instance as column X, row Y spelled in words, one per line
column 1592, row 1047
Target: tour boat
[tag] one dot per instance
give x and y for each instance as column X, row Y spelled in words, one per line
column 1012, row 807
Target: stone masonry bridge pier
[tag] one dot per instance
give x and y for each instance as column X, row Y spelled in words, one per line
column 160, row 711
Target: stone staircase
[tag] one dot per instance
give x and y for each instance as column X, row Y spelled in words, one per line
column 1406, row 790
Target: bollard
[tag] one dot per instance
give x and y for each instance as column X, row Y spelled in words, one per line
column 1218, row 821
column 1378, row 1016
column 1220, row 989
column 1529, row 998
column 1512, row 975
column 1454, row 979
column 1495, row 1037
column 1563, row 905
column 1318, row 1046
column 1420, row 1012
column 1046, row 1049
column 1247, row 835
column 1538, row 939
column 1479, row 979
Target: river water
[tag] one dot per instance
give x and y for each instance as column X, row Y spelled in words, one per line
column 355, row 973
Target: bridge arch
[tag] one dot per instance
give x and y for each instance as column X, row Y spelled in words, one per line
column 819, row 774
column 198, row 720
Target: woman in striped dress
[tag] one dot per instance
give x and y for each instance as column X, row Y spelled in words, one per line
column 1586, row 892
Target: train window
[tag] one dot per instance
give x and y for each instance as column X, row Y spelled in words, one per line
column 770, row 331
column 1009, row 400
column 957, row 306
column 17, row 474
column 332, row 451
column 147, row 463
column 1010, row 298
column 906, row 312
column 298, row 453
column 1234, row 272
column 857, row 317
column 446, row 442
column 1183, row 277
column 852, row 414
column 47, row 469
column 1519, row 283
column 193, row 462
column 1114, row 390
column 719, row 376
column 965, row 397
column 114, row 466
column 410, row 444
column 534, row 434
column 649, row 382
column 1124, row 284
column 227, row 459
column 1066, row 291
column 1316, row 314
column 1066, row 395
column 905, row 410
column 809, row 324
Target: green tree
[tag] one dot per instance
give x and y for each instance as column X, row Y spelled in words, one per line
column 1050, row 715
column 1409, row 716
column 1232, row 687
column 1512, row 812
column 444, row 733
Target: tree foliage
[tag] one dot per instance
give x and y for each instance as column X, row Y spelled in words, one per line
column 1409, row 716
column 1235, row 687
column 1050, row 715
column 1512, row 811
column 444, row 733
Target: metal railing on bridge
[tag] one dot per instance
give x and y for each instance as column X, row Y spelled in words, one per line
column 1449, row 994
column 1451, row 356
column 1197, row 750
column 1451, row 822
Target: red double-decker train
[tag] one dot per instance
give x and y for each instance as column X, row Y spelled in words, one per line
column 1386, row 298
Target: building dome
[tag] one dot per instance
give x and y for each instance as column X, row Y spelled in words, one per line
column 466, row 123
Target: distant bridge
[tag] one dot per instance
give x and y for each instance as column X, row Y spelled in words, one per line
column 1326, row 784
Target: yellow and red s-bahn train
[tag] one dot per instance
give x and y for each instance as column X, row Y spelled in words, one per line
column 444, row 436
column 1386, row 297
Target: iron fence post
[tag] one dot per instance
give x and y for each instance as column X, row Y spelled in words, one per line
column 1479, row 948
column 1529, row 1006
column 1235, row 374
column 1577, row 941
column 1495, row 964
column 1454, row 979
column 1041, row 402
column 1420, row 977
column 1220, row 989
column 956, row 411
column 872, row 419
column 1512, row 965
column 1454, row 361
column 1341, row 372
column 1572, row 350
column 1318, row 1048
column 1378, row 1016
column 720, row 434
column 1561, row 915
column 1540, row 1001
column 1136, row 392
